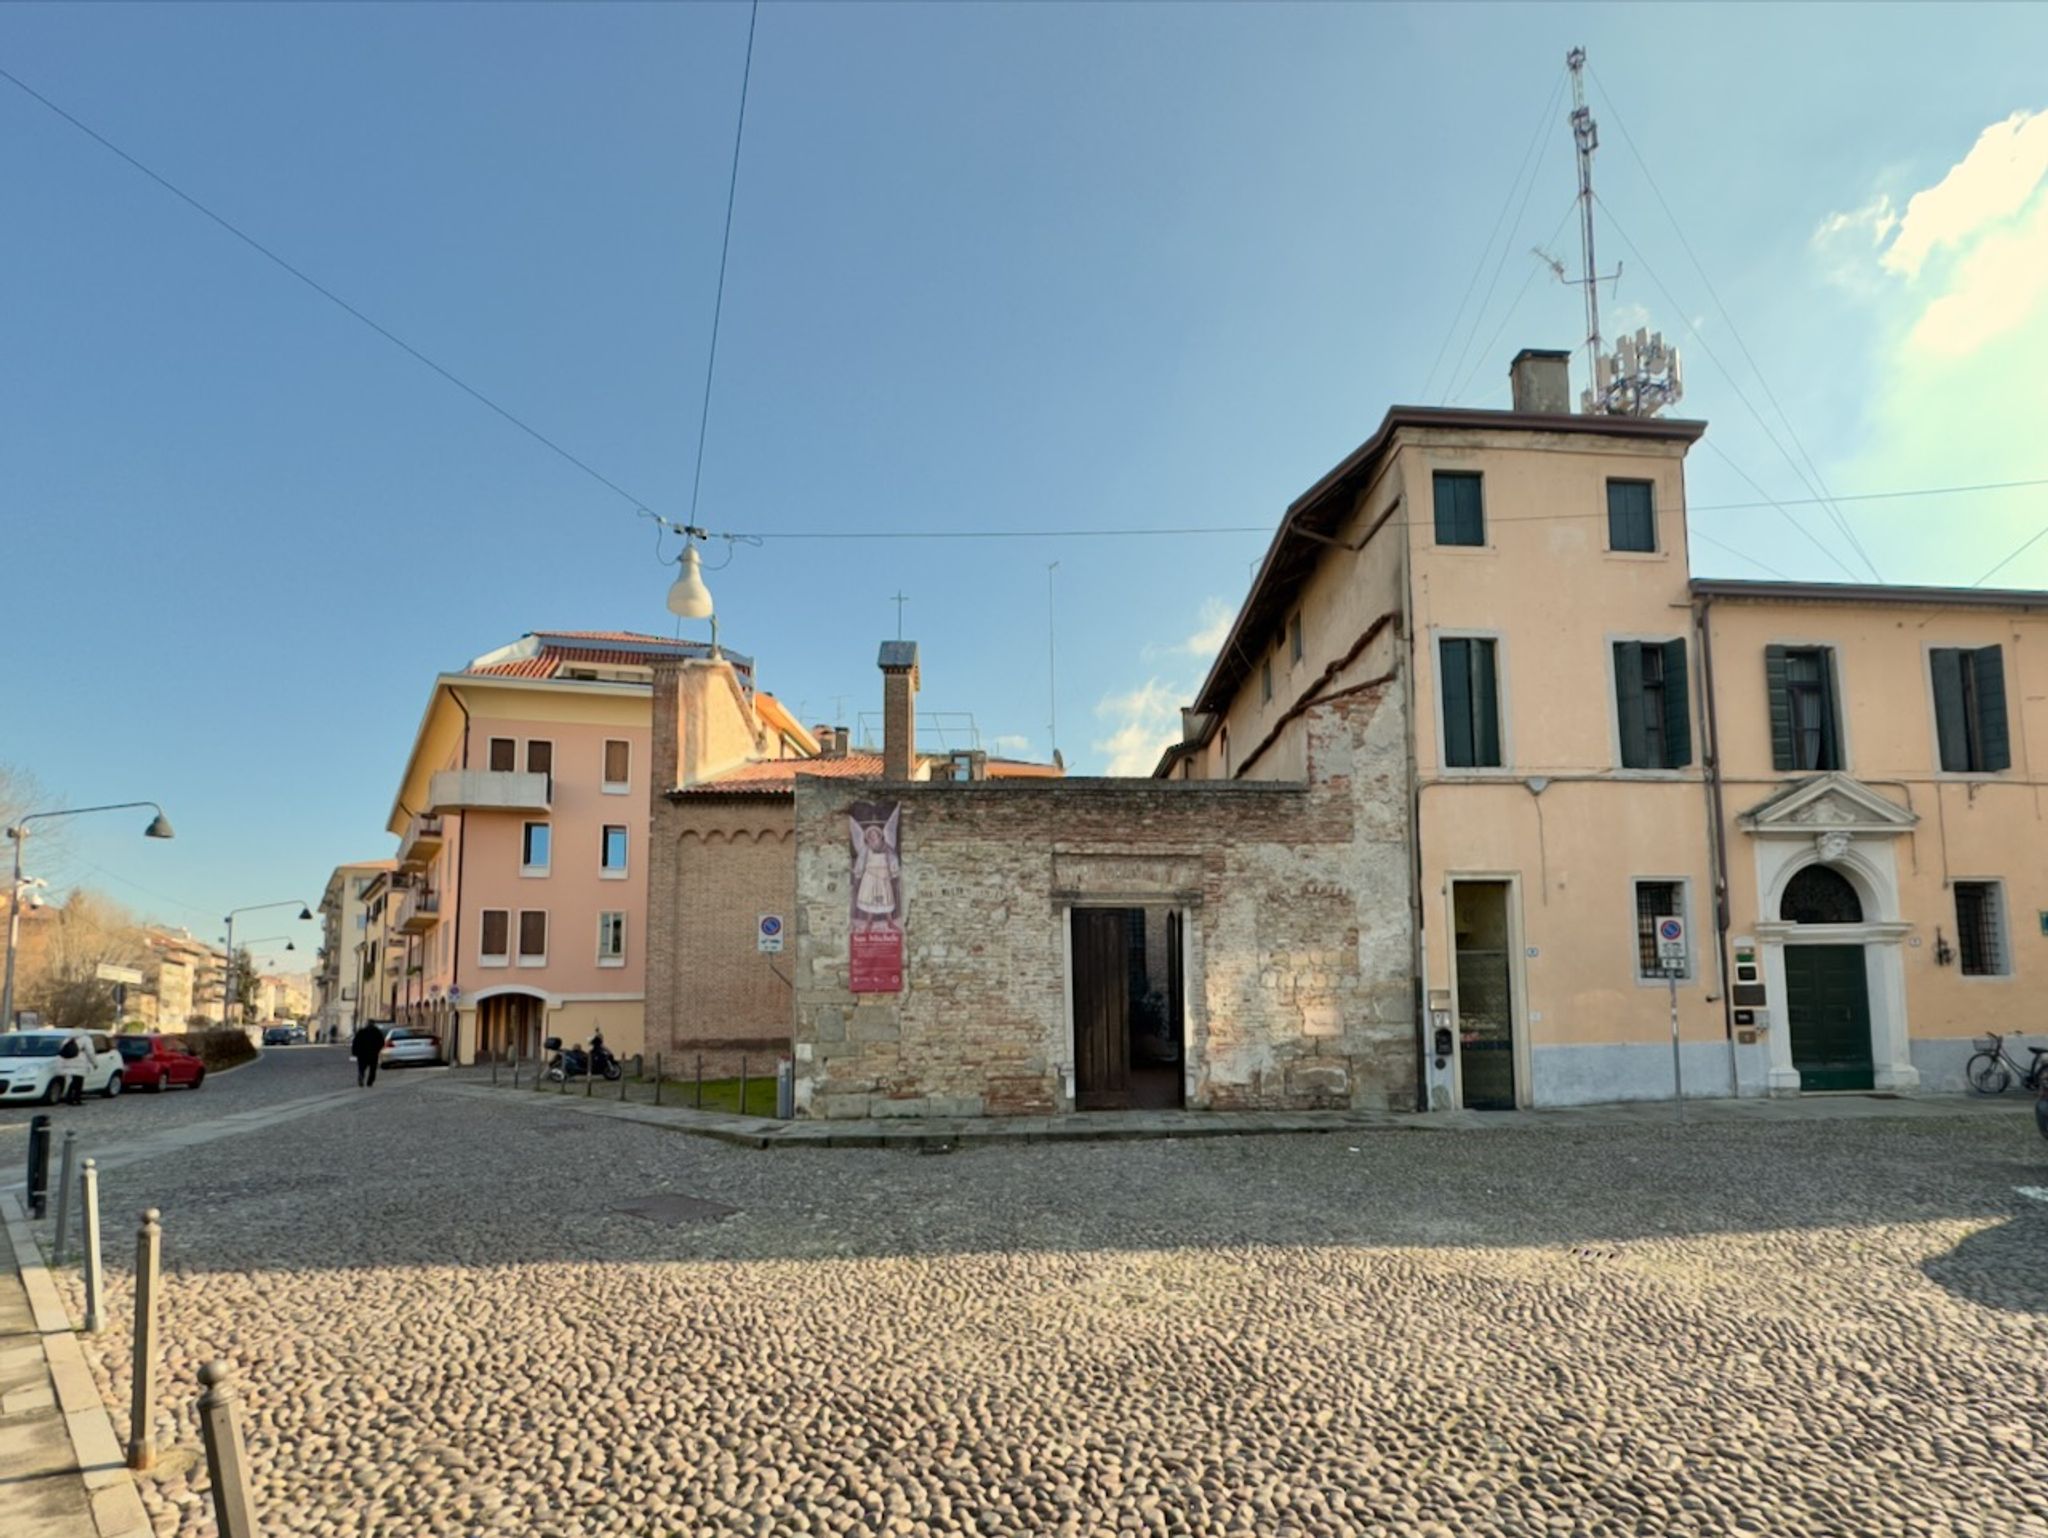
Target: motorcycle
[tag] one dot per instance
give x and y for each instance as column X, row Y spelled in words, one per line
column 2041, row 1111
column 575, row 1063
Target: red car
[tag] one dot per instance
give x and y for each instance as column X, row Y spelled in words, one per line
column 152, row 1062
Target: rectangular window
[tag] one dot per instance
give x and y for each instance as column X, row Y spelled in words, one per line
column 540, row 759
column 1805, row 721
column 1294, row 645
column 1980, row 928
column 1631, row 516
column 1655, row 900
column 618, row 765
column 1266, row 680
column 533, row 937
column 1969, row 708
column 1652, row 709
column 504, row 755
column 1471, row 701
column 496, row 942
column 614, row 850
column 1460, row 515
column 611, row 939
column 533, row 849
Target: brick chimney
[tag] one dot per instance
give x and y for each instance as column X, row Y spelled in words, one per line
column 1542, row 381
column 899, row 709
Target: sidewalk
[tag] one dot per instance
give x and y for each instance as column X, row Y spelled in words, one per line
column 64, row 1474
column 1117, row 1126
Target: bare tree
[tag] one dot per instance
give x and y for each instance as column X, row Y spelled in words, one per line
column 60, row 978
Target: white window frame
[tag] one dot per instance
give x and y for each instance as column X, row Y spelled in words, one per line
column 483, row 957
column 543, row 868
column 613, row 872
column 547, row 938
column 615, row 787
column 2001, row 913
column 1693, row 727
column 1505, row 768
column 1692, row 950
column 604, row 959
column 492, row 738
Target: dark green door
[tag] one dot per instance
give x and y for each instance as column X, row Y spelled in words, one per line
column 1827, row 1009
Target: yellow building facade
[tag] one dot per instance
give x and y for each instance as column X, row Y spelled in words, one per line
column 1827, row 788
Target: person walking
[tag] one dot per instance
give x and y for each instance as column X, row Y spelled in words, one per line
column 364, row 1046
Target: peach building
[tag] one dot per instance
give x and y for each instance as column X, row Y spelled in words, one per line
column 519, row 903
column 1828, row 787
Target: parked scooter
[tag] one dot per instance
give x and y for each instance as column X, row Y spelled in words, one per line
column 575, row 1063
column 2041, row 1111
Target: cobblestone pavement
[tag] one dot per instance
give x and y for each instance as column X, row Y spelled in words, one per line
column 280, row 1074
column 440, row 1326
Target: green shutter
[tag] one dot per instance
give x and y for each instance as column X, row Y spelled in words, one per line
column 1831, row 713
column 1628, row 705
column 1454, row 680
column 1460, row 513
column 1677, row 707
column 1994, row 742
column 1631, row 516
column 1781, row 707
column 1951, row 718
column 1485, row 707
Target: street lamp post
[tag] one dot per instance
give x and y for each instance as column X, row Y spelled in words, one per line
column 227, row 1003
column 227, row 988
column 159, row 827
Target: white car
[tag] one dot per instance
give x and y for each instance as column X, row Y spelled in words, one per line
column 32, row 1065
column 402, row 1044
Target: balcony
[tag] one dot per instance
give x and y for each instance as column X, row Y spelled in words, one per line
column 487, row 790
column 418, row 911
column 421, row 843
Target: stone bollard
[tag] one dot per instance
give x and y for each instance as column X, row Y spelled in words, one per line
column 67, row 1167
column 95, row 1279
column 515, row 1070
column 494, row 1070
column 142, row 1406
column 227, row 1461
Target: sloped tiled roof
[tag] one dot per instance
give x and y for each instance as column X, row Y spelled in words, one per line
column 551, row 661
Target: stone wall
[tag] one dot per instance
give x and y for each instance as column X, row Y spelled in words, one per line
column 1298, row 984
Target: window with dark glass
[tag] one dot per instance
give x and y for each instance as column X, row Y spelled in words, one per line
column 1969, row 708
column 1266, row 680
column 1631, row 516
column 533, row 846
column 1651, row 706
column 1805, row 720
column 1471, row 701
column 1294, row 645
column 1460, row 514
column 1820, row 894
column 1980, row 929
column 1655, row 900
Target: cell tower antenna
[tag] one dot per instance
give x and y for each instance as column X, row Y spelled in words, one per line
column 1586, row 139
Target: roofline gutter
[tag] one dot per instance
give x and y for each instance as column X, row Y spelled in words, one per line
column 1738, row 590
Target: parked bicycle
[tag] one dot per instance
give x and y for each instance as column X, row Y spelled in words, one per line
column 1994, row 1070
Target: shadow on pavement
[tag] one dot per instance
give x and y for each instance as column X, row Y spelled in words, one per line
column 2004, row 1267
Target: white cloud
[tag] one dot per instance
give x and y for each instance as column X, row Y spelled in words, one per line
column 1010, row 744
column 1215, row 628
column 1992, row 183
column 1144, row 722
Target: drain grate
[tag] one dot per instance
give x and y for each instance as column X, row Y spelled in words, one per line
column 674, row 1209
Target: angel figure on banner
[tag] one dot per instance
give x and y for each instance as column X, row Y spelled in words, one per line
column 877, row 868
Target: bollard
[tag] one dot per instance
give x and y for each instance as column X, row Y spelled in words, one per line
column 142, row 1405
column 515, row 1070
column 95, row 1279
column 494, row 1070
column 227, row 1461
column 743, row 1084
column 785, row 1088
column 624, row 1081
column 37, row 1184
column 67, row 1168
column 700, row 1081
column 589, row 1078
column 657, row 1078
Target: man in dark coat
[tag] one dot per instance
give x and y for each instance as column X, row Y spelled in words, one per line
column 364, row 1047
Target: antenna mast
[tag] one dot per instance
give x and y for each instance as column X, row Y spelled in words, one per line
column 1586, row 139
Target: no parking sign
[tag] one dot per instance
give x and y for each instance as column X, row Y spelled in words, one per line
column 768, row 934
column 1671, row 942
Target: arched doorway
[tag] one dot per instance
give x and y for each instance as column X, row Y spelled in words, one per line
column 510, row 1024
column 1827, row 986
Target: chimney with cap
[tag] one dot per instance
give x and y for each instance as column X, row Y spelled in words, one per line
column 1542, row 381
column 899, row 709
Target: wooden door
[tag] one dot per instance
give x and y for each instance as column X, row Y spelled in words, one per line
column 1827, row 1010
column 1102, row 1036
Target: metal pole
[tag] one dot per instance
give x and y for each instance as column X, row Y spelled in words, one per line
column 13, row 929
column 227, row 1461
column 227, row 985
column 67, row 1167
column 657, row 1078
column 515, row 1070
column 142, row 1405
column 36, row 1184
column 700, row 1081
column 1677, row 1068
column 95, row 1280
column 743, row 1084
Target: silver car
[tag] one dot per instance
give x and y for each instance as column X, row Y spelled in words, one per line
column 404, row 1045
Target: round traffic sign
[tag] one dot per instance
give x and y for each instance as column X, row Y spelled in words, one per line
column 770, row 924
column 1671, row 929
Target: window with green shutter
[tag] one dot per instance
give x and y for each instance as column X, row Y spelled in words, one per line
column 1805, row 720
column 1969, row 708
column 1471, row 702
column 1652, row 707
column 1631, row 516
column 1460, row 514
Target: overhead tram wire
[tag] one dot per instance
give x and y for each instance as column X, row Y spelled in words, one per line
column 2028, row 544
column 638, row 503
column 1536, row 139
column 1820, row 482
column 1834, row 514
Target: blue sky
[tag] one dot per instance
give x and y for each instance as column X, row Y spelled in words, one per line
column 993, row 267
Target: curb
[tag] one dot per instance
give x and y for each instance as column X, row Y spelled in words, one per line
column 117, row 1510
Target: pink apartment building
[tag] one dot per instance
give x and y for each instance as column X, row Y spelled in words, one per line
column 522, row 822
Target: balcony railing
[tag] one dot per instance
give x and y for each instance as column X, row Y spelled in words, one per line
column 421, row 843
column 488, row 790
column 418, row 912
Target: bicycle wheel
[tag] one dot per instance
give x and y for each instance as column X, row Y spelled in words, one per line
column 1987, row 1075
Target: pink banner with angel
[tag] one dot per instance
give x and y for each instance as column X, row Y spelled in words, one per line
column 876, row 954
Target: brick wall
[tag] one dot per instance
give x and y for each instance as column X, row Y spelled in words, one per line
column 1298, row 984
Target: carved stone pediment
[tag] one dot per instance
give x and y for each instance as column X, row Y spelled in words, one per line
column 1829, row 808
